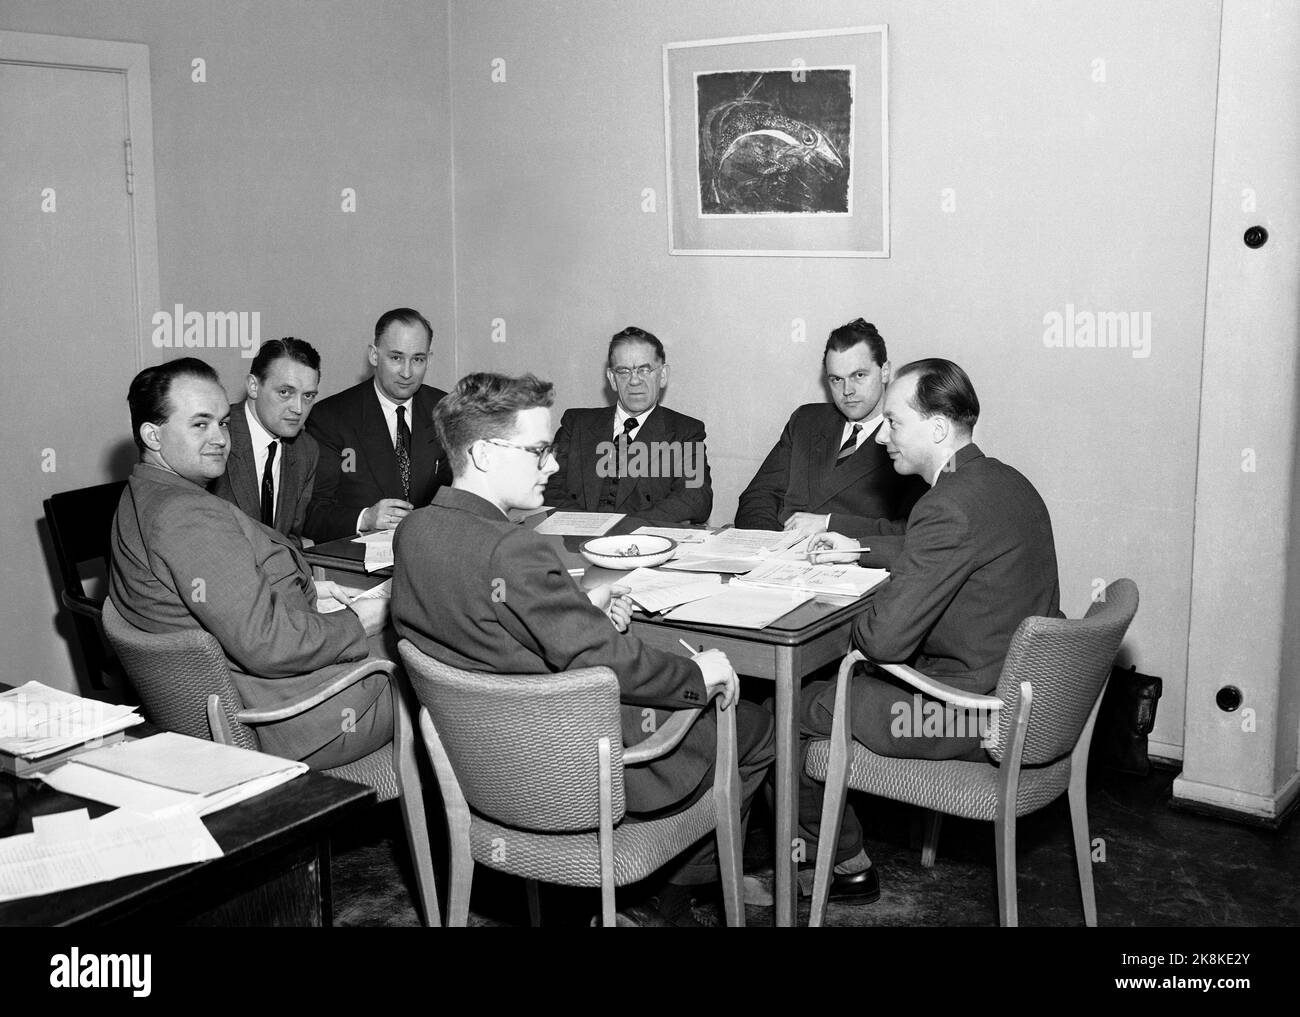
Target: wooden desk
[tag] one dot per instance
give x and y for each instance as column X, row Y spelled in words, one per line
column 275, row 870
column 786, row 652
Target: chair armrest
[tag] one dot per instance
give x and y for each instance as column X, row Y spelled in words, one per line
column 82, row 605
column 662, row 741
column 355, row 673
column 967, row 700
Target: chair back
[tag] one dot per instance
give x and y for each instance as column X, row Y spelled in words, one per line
column 1067, row 663
column 524, row 747
column 173, row 673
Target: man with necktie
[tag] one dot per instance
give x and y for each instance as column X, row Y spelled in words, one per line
column 636, row 456
column 272, row 466
column 827, row 472
column 379, row 454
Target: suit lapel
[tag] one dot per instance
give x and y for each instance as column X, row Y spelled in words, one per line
column 652, row 429
column 868, row 458
column 601, row 429
column 290, row 467
column 825, row 447
column 424, row 446
column 242, row 467
column 377, row 452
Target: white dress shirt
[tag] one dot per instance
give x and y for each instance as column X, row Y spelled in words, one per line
column 621, row 415
column 261, row 438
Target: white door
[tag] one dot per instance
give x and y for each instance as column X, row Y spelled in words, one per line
column 70, row 336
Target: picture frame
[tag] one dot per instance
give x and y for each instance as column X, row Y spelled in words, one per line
column 778, row 145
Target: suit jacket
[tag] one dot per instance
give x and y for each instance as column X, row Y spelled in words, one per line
column 185, row 559
column 800, row 475
column 358, row 463
column 477, row 592
column 242, row 485
column 978, row 558
column 666, row 498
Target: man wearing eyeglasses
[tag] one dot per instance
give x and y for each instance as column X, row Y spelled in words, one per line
column 827, row 472
column 636, row 456
column 477, row 592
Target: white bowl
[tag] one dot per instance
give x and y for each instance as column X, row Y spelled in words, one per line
column 632, row 551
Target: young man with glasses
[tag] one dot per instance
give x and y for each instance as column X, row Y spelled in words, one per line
column 478, row 592
column 636, row 456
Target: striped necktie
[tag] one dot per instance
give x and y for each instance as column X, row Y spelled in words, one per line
column 850, row 445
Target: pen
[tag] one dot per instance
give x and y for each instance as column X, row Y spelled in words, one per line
column 689, row 647
column 839, row 550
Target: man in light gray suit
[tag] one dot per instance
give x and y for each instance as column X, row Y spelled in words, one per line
column 183, row 558
column 272, row 466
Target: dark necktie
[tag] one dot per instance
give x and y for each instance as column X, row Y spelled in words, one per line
column 609, row 490
column 404, row 452
column 268, row 486
column 850, row 445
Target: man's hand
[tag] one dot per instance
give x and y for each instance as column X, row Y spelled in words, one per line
column 830, row 544
column 327, row 589
column 615, row 602
column 373, row 612
column 385, row 514
column 806, row 524
column 719, row 676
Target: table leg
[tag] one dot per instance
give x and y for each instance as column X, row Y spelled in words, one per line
column 787, row 786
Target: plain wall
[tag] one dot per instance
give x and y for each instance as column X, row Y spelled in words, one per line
column 1068, row 190
column 302, row 99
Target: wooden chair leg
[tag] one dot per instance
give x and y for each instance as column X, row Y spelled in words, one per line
column 930, row 846
column 1083, row 848
column 833, row 800
column 410, row 794
column 727, row 792
column 534, row 903
column 608, row 915
column 1004, row 835
column 462, row 881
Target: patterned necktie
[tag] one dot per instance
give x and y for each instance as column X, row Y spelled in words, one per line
column 629, row 425
column 404, row 452
column 268, row 486
column 850, row 445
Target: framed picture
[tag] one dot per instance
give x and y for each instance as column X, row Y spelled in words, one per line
column 778, row 145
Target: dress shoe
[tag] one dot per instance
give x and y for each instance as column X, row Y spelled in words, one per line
column 854, row 888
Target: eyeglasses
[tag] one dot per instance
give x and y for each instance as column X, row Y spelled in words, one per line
column 642, row 372
column 540, row 451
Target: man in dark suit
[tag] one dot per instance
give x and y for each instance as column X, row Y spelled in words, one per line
column 977, row 559
column 379, row 455
column 272, row 466
column 636, row 456
column 184, row 559
column 477, row 592
column 826, row 468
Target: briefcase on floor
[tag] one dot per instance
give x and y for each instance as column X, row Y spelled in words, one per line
column 1128, row 713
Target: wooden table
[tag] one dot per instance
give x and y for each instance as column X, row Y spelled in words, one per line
column 787, row 651
column 275, row 870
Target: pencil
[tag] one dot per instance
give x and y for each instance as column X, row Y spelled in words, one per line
column 688, row 646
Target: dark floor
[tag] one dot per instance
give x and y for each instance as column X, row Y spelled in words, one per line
column 1162, row 867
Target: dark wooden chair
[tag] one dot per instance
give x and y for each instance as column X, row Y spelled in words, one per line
column 80, row 525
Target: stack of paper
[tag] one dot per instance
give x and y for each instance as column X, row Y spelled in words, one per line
column 741, row 606
column 840, row 580
column 682, row 535
column 70, row 849
column 657, row 591
column 578, row 524
column 172, row 769
column 379, row 549
column 732, row 550
column 41, row 726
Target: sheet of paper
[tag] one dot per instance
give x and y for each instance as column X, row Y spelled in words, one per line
column 841, row 580
column 36, row 720
column 731, row 566
column 186, row 764
column 328, row 605
column 657, row 591
column 76, row 851
column 150, row 799
column 378, row 537
column 379, row 556
column 734, row 543
column 741, row 607
column 679, row 534
column 578, row 524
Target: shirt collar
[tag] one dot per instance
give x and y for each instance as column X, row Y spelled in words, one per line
column 258, row 435
column 621, row 415
column 389, row 406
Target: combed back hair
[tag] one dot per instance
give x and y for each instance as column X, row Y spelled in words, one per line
column 287, row 348
column 857, row 331
column 404, row 315
column 943, row 388
column 483, row 406
column 632, row 334
column 150, row 391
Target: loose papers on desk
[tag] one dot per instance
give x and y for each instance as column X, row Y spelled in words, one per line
column 170, row 770
column 70, row 849
column 682, row 535
column 742, row 607
column 657, row 591
column 328, row 605
column 840, row 580
column 735, row 551
column 37, row 721
column 379, row 549
column 578, row 524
